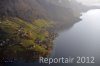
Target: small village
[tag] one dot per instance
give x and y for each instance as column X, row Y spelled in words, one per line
column 23, row 38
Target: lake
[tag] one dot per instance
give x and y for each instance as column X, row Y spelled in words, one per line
column 83, row 39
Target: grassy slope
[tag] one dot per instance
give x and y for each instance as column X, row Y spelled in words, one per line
column 18, row 36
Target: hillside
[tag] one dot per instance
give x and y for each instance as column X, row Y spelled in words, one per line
column 20, row 40
column 33, row 9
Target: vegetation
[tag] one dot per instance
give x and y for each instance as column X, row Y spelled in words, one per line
column 20, row 40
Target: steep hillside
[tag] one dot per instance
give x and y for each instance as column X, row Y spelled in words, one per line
column 33, row 9
column 26, row 9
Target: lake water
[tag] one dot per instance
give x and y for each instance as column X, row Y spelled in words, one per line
column 83, row 39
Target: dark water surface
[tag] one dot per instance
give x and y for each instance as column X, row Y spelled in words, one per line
column 83, row 39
